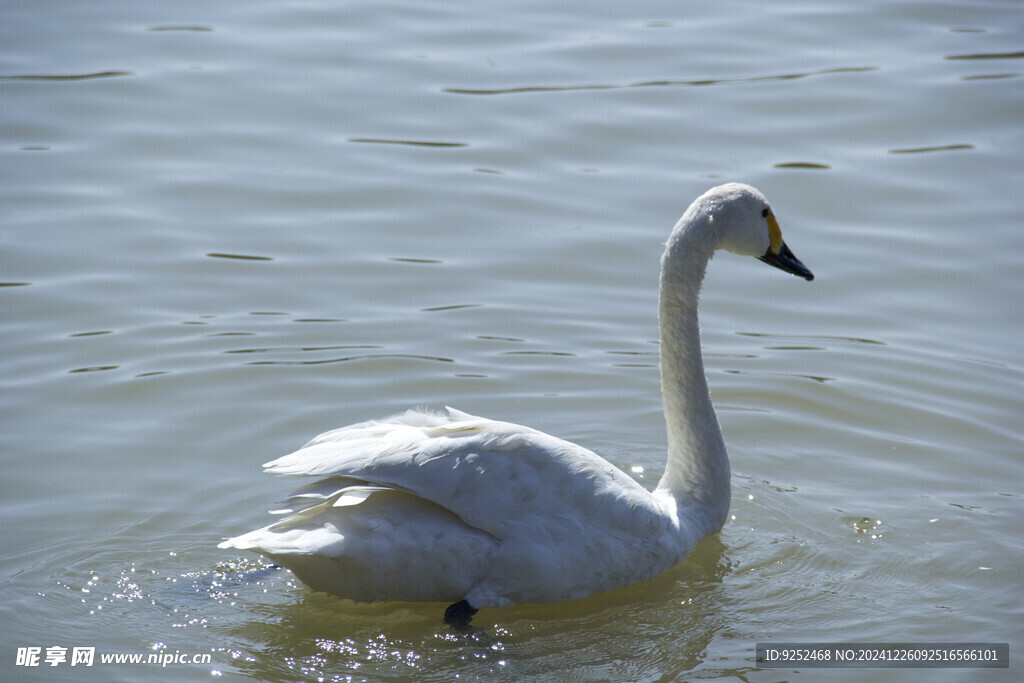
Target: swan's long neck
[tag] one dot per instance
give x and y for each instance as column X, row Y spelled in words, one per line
column 697, row 472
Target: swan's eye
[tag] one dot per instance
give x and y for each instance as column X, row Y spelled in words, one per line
column 764, row 212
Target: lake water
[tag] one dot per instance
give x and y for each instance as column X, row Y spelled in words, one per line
column 227, row 227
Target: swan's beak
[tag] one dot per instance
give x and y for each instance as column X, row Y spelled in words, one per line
column 785, row 260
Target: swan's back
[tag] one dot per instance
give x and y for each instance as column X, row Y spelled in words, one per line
column 428, row 506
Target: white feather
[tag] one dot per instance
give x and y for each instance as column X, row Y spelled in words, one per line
column 450, row 506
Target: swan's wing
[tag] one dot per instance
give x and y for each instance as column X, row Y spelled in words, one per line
column 423, row 506
column 371, row 543
column 492, row 475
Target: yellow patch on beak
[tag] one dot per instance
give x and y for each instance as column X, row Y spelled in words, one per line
column 774, row 233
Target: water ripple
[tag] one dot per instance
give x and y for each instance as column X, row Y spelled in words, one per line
column 240, row 257
column 346, row 359
column 413, row 143
column 989, row 55
column 649, row 84
column 66, row 77
column 938, row 148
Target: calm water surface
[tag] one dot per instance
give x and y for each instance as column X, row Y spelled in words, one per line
column 227, row 227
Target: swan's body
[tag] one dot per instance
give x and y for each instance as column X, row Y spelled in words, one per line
column 456, row 508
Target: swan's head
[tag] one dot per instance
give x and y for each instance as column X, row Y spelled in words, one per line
column 746, row 225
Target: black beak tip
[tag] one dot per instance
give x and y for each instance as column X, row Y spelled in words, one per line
column 785, row 260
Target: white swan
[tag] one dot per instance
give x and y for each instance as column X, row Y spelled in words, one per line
column 480, row 513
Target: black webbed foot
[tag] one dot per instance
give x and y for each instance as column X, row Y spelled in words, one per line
column 459, row 614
